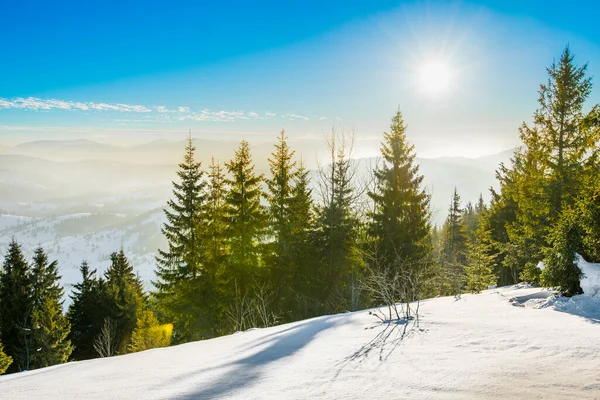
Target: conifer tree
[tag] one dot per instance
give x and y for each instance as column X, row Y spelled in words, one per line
column 566, row 137
column 246, row 217
column 215, row 231
column 16, row 305
column 561, row 269
column 125, row 297
column 209, row 292
column 5, row 360
column 182, row 259
column 180, row 267
column 455, row 243
column 336, row 230
column 301, row 221
column 50, row 328
column 400, row 220
column 280, row 198
column 548, row 171
column 480, row 262
column 86, row 312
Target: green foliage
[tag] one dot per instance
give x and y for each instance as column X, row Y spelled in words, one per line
column 125, row 297
column 454, row 252
column 400, row 220
column 280, row 199
column 245, row 216
column 480, row 262
column 182, row 258
column 86, row 313
column 50, row 328
column 16, row 305
column 302, row 247
column 182, row 264
column 335, row 235
column 5, row 360
column 34, row 329
column 548, row 175
column 149, row 334
column 561, row 269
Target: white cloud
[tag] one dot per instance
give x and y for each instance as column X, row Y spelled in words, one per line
column 154, row 113
column 35, row 103
column 295, row 116
column 322, row 118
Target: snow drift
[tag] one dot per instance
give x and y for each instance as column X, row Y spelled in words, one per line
column 590, row 282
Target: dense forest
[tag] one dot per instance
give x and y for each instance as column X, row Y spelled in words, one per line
column 247, row 250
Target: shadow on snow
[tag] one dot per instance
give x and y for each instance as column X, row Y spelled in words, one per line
column 249, row 369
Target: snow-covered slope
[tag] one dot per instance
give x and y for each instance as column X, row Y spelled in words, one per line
column 481, row 346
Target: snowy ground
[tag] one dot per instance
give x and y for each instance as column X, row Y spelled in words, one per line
column 482, row 346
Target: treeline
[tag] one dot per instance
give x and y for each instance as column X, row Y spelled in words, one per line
column 248, row 250
column 548, row 205
column 108, row 315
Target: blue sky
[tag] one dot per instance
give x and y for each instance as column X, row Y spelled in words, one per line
column 136, row 71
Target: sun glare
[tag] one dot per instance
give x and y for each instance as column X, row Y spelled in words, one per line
column 434, row 77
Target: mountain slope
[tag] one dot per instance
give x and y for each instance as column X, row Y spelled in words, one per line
column 478, row 347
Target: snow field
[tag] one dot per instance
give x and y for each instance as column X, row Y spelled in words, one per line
column 479, row 347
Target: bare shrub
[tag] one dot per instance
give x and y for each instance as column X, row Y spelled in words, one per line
column 106, row 342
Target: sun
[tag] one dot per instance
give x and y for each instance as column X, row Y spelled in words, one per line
column 434, row 77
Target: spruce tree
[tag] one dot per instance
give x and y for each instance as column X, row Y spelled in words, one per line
column 280, row 198
column 400, row 220
column 125, row 297
column 16, row 305
column 181, row 265
column 335, row 235
column 182, row 259
column 50, row 327
column 86, row 312
column 560, row 121
column 455, row 246
column 480, row 262
column 548, row 172
column 302, row 249
column 245, row 216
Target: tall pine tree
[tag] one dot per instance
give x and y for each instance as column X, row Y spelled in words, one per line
column 50, row 328
column 245, row 216
column 454, row 253
column 125, row 297
column 336, row 239
column 280, row 199
column 400, row 219
column 86, row 312
column 16, row 305
column 182, row 262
